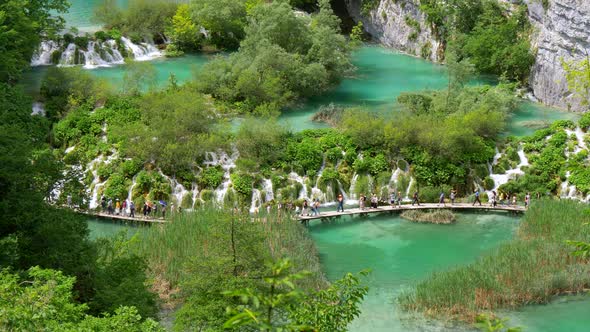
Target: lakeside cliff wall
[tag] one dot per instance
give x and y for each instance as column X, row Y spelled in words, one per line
column 399, row 24
column 560, row 31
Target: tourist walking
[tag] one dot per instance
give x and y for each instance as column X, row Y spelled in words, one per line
column 477, row 200
column 362, row 201
column 110, row 206
column 340, row 203
column 392, row 199
column 452, row 195
column 416, row 200
column 494, row 199
column 304, row 211
column 399, row 199
column 118, row 207
column 132, row 209
column 441, row 199
column 514, row 200
column 124, row 208
column 527, row 200
column 315, row 207
column 374, row 201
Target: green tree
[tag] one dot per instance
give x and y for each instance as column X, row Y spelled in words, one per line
column 183, row 31
column 262, row 141
column 282, row 306
column 44, row 301
column 224, row 21
column 22, row 26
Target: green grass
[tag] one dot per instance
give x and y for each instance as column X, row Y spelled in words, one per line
column 532, row 268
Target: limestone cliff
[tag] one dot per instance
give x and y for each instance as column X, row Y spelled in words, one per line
column 399, row 24
column 561, row 31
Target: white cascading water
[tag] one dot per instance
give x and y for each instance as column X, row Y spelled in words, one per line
column 143, row 51
column 268, row 192
column 500, row 179
column 38, row 109
column 68, row 56
column 352, row 188
column 42, row 57
column 130, row 192
column 303, row 192
column 256, row 201
column 407, row 197
column 195, row 195
column 96, row 54
column 227, row 163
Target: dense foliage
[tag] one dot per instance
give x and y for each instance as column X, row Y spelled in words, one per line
column 43, row 300
column 284, row 56
column 495, row 40
column 22, row 25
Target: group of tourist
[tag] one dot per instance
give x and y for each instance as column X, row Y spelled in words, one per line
column 127, row 208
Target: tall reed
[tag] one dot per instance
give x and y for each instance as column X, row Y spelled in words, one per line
column 169, row 248
column 532, row 268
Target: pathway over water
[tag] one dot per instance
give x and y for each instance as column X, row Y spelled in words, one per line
column 423, row 206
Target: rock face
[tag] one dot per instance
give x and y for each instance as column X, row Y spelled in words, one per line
column 401, row 25
column 561, row 32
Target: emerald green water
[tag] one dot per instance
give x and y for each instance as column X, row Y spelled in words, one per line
column 401, row 253
column 80, row 13
column 569, row 313
column 106, row 228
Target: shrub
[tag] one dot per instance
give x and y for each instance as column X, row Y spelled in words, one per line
column 488, row 183
column 211, row 177
column 242, row 183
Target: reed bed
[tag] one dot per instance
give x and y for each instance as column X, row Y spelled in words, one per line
column 445, row 217
column 531, row 269
column 188, row 237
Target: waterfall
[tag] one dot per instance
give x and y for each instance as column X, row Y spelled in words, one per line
column 143, row 51
column 407, row 198
column 68, row 56
column 130, row 192
column 38, row 109
column 195, row 191
column 352, row 188
column 256, row 200
column 295, row 177
column 500, row 179
column 95, row 54
column 227, row 163
column 268, row 192
column 42, row 56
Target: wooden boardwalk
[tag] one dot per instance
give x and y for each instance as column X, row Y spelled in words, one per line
column 137, row 218
column 426, row 206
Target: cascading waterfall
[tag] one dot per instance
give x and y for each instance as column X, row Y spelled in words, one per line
column 43, row 55
column 268, row 192
column 352, row 188
column 256, row 200
column 68, row 56
column 143, row 51
column 303, row 192
column 195, row 191
column 130, row 192
column 227, row 163
column 407, row 197
column 95, row 54
column 38, row 109
column 500, row 179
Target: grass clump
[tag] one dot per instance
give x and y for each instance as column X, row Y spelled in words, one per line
column 445, row 217
column 534, row 267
